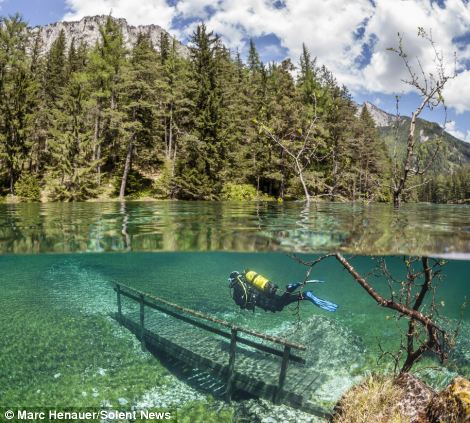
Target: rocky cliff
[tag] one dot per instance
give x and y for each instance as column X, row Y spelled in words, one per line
column 381, row 118
column 87, row 30
column 453, row 152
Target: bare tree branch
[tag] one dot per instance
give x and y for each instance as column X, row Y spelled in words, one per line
column 304, row 154
column 430, row 87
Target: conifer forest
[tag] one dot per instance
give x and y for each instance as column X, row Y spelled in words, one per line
column 105, row 121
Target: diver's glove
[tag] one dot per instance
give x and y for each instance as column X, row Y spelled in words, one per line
column 324, row 304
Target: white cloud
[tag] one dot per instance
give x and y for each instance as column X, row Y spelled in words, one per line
column 328, row 29
column 135, row 12
column 452, row 129
column 386, row 70
column 457, row 92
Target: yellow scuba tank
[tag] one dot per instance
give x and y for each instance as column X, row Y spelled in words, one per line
column 260, row 283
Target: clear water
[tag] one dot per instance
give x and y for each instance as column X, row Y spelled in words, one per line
column 373, row 229
column 59, row 347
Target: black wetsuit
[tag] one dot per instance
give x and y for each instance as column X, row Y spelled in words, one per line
column 247, row 297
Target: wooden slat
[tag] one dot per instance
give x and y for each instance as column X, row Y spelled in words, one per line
column 231, row 365
column 248, row 342
column 142, row 321
column 282, row 374
column 270, row 338
column 119, row 306
column 253, row 372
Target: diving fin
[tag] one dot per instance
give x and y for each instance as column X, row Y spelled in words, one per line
column 324, row 304
column 293, row 286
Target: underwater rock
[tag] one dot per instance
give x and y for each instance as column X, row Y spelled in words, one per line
column 262, row 411
column 376, row 399
column 416, row 396
column 101, row 371
column 407, row 398
column 452, row 405
column 122, row 401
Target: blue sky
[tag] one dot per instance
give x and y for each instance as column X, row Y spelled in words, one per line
column 349, row 36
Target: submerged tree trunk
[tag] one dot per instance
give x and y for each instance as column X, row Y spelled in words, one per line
column 12, row 181
column 96, row 145
column 302, row 181
column 127, row 168
column 174, row 160
column 170, row 133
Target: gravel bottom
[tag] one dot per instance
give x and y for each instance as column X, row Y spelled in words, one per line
column 262, row 411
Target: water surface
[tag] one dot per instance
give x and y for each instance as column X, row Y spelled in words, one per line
column 374, row 229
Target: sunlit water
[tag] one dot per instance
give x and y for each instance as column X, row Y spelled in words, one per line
column 54, row 308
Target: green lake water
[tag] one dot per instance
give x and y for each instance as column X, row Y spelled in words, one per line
column 59, row 347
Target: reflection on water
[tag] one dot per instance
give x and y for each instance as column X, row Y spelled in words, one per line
column 199, row 226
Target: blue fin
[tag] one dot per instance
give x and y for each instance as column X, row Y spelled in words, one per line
column 293, row 286
column 324, row 304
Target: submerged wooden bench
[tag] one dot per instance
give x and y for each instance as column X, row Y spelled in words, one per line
column 265, row 366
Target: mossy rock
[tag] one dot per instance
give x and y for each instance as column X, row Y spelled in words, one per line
column 376, row 399
column 451, row 405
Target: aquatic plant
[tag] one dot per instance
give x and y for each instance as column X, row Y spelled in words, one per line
column 374, row 400
column 205, row 412
column 56, row 357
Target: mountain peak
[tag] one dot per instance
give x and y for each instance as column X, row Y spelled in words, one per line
column 380, row 117
column 87, row 30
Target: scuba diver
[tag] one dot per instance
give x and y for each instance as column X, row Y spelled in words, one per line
column 249, row 289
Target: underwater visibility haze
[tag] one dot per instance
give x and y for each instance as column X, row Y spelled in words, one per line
column 60, row 347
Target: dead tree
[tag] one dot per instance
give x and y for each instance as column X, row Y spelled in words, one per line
column 407, row 299
column 301, row 154
column 429, row 86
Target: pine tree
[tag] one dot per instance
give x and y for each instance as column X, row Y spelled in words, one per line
column 56, row 71
column 104, row 72
column 76, row 58
column 15, row 83
column 37, row 122
column 71, row 175
column 200, row 165
column 307, row 81
column 139, row 89
column 176, row 85
column 164, row 47
column 370, row 159
column 254, row 62
column 255, row 148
